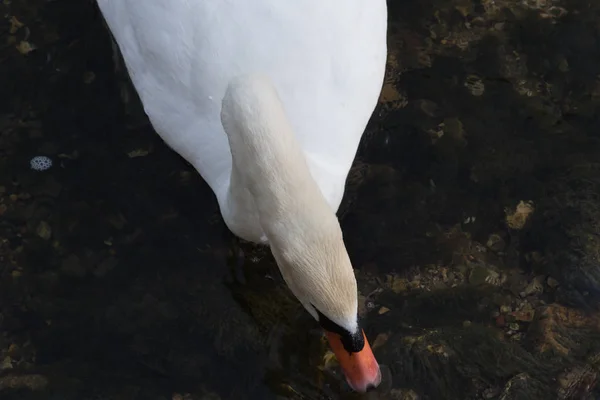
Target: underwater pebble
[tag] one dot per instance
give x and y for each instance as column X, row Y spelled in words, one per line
column 552, row 282
column 536, row 286
column 398, row 285
column 495, row 242
column 480, row 275
column 43, row 230
column 525, row 316
column 429, row 107
column 380, row 340
column 25, row 47
column 475, row 85
column 383, row 310
column 6, row 364
column 518, row 218
column 505, row 309
column 138, row 153
column 13, row 349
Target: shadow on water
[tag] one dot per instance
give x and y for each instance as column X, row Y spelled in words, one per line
column 471, row 217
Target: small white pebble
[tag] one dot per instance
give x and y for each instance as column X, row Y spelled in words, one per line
column 40, row 163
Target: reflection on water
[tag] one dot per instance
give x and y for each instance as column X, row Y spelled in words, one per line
column 471, row 217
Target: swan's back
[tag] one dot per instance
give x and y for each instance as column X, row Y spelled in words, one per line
column 325, row 58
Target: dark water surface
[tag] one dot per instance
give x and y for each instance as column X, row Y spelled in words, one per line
column 472, row 217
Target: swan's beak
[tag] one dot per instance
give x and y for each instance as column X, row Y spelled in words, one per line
column 361, row 369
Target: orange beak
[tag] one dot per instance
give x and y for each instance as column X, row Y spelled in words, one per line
column 361, row 369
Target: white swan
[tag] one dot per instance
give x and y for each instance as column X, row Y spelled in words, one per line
column 268, row 100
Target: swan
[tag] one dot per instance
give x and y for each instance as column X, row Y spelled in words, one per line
column 268, row 100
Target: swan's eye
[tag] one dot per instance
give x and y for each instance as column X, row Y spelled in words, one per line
column 353, row 341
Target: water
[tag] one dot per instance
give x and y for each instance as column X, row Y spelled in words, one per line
column 117, row 278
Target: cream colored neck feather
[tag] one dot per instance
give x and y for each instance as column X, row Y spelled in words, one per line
column 302, row 230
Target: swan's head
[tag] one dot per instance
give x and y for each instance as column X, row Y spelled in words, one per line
column 320, row 275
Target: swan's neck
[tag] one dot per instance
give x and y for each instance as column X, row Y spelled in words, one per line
column 270, row 174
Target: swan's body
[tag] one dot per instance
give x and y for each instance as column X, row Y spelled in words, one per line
column 268, row 100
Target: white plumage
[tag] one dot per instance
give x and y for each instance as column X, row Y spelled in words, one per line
column 326, row 60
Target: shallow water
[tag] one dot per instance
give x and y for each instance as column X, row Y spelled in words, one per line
column 471, row 217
